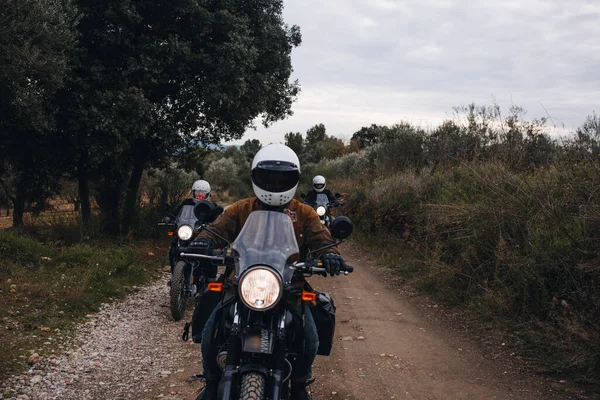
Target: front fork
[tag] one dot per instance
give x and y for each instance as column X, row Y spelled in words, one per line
column 234, row 357
column 188, row 285
column 279, row 358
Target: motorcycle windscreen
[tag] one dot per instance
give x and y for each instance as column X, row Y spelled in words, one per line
column 186, row 216
column 267, row 238
column 322, row 199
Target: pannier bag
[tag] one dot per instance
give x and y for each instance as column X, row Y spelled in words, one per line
column 324, row 314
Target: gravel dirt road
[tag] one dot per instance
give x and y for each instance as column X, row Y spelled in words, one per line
column 388, row 346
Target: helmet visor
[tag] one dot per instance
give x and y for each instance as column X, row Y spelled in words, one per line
column 200, row 194
column 319, row 185
column 275, row 178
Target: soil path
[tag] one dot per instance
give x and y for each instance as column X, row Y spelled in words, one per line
column 388, row 346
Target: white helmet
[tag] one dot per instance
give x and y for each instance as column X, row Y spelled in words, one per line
column 275, row 174
column 319, row 183
column 201, row 190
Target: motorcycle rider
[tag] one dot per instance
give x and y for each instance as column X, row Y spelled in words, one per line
column 200, row 191
column 318, row 186
column 275, row 176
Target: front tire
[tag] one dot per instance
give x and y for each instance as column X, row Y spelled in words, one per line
column 253, row 386
column 178, row 292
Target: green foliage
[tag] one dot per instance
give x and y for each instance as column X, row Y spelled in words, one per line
column 317, row 146
column 21, row 250
column 222, row 173
column 315, row 134
column 250, row 148
column 35, row 38
column 295, row 141
column 368, row 136
column 146, row 80
column 400, row 147
column 170, row 184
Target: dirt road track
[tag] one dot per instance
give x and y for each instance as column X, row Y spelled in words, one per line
column 388, row 346
column 405, row 354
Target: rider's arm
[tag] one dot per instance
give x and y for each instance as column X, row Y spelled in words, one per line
column 330, row 196
column 225, row 225
column 311, row 197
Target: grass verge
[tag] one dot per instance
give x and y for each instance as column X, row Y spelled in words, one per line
column 45, row 288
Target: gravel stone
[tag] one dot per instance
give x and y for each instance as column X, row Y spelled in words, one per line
column 125, row 348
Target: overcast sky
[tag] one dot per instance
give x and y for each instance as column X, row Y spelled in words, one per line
column 383, row 61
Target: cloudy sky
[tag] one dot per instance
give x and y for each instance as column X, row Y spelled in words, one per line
column 383, row 61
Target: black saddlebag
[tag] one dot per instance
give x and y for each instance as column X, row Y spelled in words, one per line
column 324, row 314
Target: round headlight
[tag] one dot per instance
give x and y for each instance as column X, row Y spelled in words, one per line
column 185, row 232
column 321, row 211
column 260, row 289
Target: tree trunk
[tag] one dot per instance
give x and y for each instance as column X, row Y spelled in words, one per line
column 20, row 194
column 83, row 179
column 139, row 163
column 109, row 198
column 84, row 192
column 19, row 205
column 109, row 208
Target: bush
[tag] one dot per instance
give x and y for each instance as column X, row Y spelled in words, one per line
column 518, row 248
column 21, row 250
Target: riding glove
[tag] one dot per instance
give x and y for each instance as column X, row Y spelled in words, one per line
column 333, row 263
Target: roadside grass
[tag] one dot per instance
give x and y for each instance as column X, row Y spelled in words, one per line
column 516, row 251
column 48, row 285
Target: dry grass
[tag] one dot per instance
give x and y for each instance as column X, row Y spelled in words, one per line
column 518, row 249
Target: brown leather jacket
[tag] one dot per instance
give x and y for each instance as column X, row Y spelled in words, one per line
column 311, row 234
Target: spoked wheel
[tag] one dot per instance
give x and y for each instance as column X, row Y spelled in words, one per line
column 253, row 386
column 179, row 294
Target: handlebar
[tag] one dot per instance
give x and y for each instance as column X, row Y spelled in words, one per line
column 313, row 267
column 307, row 267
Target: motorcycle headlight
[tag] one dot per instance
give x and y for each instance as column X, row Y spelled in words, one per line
column 185, row 232
column 260, row 289
column 321, row 211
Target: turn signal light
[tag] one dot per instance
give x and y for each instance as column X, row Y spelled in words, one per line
column 309, row 296
column 171, row 233
column 215, row 287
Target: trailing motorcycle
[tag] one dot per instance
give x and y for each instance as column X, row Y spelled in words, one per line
column 258, row 329
column 187, row 276
column 324, row 207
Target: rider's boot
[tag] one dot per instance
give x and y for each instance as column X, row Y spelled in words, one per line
column 210, row 391
column 300, row 390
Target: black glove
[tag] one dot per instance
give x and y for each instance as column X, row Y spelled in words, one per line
column 336, row 202
column 333, row 263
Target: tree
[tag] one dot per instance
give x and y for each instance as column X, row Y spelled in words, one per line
column 156, row 77
column 35, row 37
column 250, row 148
column 334, row 147
column 368, row 136
column 222, row 173
column 315, row 134
column 587, row 139
column 295, row 141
